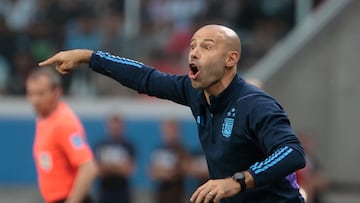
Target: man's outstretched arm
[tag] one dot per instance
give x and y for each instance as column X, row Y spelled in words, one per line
column 129, row 73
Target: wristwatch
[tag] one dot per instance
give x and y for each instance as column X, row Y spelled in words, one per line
column 240, row 178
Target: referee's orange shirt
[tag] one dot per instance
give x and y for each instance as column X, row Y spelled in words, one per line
column 59, row 149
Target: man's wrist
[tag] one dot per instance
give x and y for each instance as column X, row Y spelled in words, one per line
column 244, row 180
column 239, row 177
column 86, row 55
column 249, row 180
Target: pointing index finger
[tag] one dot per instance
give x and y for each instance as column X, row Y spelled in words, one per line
column 49, row 61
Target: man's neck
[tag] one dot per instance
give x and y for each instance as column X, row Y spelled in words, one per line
column 47, row 114
column 218, row 87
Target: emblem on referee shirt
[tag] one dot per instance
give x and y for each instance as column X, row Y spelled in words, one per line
column 77, row 141
column 228, row 123
column 45, row 161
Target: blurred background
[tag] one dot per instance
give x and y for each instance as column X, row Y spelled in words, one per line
column 303, row 52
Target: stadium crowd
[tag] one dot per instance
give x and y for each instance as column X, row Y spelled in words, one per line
column 32, row 30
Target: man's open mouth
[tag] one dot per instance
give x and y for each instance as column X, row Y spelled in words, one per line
column 193, row 68
column 193, row 71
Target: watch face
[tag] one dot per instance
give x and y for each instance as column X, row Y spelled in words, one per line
column 239, row 176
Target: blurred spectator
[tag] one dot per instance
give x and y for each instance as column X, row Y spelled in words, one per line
column 47, row 37
column 23, row 64
column 112, row 39
column 168, row 163
column 177, row 44
column 311, row 179
column 18, row 13
column 212, row 11
column 115, row 157
column 4, row 74
column 183, row 12
column 162, row 61
column 7, row 40
column 197, row 167
column 82, row 32
column 43, row 26
column 159, row 14
column 267, row 21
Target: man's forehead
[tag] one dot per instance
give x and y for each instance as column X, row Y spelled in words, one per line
column 40, row 80
column 208, row 34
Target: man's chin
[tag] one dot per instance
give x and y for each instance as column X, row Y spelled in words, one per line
column 196, row 85
column 41, row 112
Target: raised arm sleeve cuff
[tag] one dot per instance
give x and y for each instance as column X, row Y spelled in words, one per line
column 278, row 165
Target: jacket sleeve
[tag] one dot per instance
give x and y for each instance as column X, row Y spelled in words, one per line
column 142, row 78
column 284, row 153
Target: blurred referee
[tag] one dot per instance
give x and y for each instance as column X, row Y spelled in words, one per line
column 63, row 159
column 251, row 150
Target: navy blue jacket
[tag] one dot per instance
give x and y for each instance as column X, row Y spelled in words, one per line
column 243, row 128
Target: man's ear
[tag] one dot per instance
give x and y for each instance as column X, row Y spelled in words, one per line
column 58, row 92
column 232, row 59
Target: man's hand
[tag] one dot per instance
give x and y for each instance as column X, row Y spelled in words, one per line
column 161, row 173
column 65, row 61
column 86, row 174
column 215, row 190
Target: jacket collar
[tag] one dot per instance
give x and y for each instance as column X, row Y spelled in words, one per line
column 219, row 102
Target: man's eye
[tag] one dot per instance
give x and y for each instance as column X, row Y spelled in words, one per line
column 208, row 47
column 192, row 47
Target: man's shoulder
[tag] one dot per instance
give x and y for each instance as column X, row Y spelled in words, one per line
column 249, row 94
column 65, row 112
column 66, row 118
column 250, row 98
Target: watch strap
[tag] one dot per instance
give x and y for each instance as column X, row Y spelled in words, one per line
column 240, row 178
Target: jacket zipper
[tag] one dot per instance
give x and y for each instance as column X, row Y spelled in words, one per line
column 212, row 128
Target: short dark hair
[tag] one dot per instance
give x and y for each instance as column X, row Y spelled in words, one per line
column 54, row 77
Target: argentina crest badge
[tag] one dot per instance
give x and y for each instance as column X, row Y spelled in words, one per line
column 227, row 127
column 228, row 123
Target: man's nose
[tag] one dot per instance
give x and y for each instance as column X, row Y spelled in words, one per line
column 194, row 54
column 34, row 99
